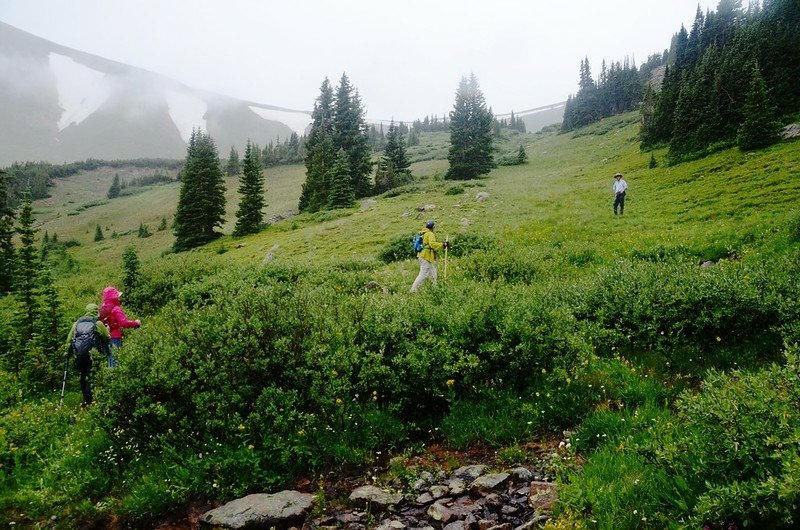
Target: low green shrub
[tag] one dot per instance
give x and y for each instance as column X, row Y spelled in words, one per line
column 397, row 249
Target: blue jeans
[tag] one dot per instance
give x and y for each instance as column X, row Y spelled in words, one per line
column 114, row 344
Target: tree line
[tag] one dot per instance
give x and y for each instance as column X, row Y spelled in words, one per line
column 729, row 79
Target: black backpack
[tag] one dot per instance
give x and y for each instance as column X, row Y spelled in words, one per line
column 84, row 339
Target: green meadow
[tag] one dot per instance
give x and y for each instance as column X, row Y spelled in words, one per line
column 654, row 354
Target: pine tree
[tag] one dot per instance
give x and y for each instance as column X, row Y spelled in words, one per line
column 201, row 202
column 250, row 215
column 25, row 282
column 470, row 152
column 395, row 150
column 653, row 163
column 50, row 330
column 760, row 127
column 350, row 134
column 6, row 234
column 233, row 166
column 384, row 175
column 144, row 231
column 131, row 275
column 115, row 188
column 522, row 156
column 319, row 152
column 341, row 190
column 98, row 233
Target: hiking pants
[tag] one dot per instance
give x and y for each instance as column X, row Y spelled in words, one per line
column 113, row 345
column 619, row 200
column 84, row 363
column 426, row 270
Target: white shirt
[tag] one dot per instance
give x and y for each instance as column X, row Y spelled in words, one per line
column 620, row 186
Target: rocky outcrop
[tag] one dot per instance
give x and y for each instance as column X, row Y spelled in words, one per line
column 261, row 510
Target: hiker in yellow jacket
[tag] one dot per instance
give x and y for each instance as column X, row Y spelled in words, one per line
column 427, row 257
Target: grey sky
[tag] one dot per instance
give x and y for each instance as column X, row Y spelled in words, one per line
column 405, row 58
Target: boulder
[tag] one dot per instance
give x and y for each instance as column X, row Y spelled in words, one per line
column 260, row 510
column 791, row 131
column 457, row 486
column 469, row 472
column 439, row 512
column 521, row 474
column 481, row 196
column 374, row 496
column 366, row 204
column 492, row 481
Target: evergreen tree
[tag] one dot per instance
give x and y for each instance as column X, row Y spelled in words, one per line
column 131, row 275
column 233, row 166
column 6, row 234
column 341, row 190
column 201, row 202
column 25, row 283
column 115, row 188
column 98, row 233
column 470, row 153
column 522, row 156
column 760, row 127
column 144, row 231
column 395, row 150
column 653, row 163
column 384, row 175
column 320, row 152
column 162, row 225
column 250, row 215
column 49, row 330
column 350, row 134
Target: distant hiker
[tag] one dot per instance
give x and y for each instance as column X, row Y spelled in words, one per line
column 619, row 193
column 87, row 333
column 427, row 256
column 113, row 316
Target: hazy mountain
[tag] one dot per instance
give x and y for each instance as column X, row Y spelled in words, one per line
column 59, row 105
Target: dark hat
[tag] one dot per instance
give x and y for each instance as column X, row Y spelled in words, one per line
column 430, row 224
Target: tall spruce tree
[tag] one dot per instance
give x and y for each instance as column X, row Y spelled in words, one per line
column 761, row 126
column 351, row 135
column 341, row 192
column 250, row 215
column 233, row 167
column 395, row 149
column 25, row 283
column 6, row 235
column 320, row 153
column 470, row 153
column 116, row 187
column 201, row 202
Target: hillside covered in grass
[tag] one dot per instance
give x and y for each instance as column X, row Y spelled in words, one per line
column 659, row 347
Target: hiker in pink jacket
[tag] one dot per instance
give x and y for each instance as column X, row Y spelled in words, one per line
column 113, row 316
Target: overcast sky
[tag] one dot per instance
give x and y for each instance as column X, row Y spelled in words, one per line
column 405, row 57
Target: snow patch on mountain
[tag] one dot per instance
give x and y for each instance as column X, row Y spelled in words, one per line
column 187, row 112
column 296, row 121
column 81, row 90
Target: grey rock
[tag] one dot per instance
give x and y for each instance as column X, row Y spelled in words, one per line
column 271, row 254
column 375, row 496
column 469, row 472
column 389, row 524
column 349, row 518
column 439, row 491
column 707, row 264
column 791, row 131
column 482, row 196
column 425, row 498
column 427, row 476
column 509, row 509
column 260, row 509
column 457, row 525
column 493, row 500
column 439, row 512
column 457, row 486
column 420, row 485
column 367, row 203
column 502, row 526
column 465, row 222
column 490, row 482
column 521, row 474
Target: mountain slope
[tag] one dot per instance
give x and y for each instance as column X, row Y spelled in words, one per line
column 58, row 104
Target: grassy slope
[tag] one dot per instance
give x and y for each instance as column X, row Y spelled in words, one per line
column 560, row 202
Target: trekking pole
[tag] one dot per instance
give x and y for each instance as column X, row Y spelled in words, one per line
column 447, row 244
column 64, row 382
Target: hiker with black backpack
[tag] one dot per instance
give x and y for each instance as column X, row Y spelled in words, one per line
column 87, row 333
column 426, row 255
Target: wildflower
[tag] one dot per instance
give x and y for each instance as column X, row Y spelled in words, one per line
column 338, row 401
column 250, row 446
column 537, row 394
column 451, row 382
column 719, row 339
column 241, row 426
